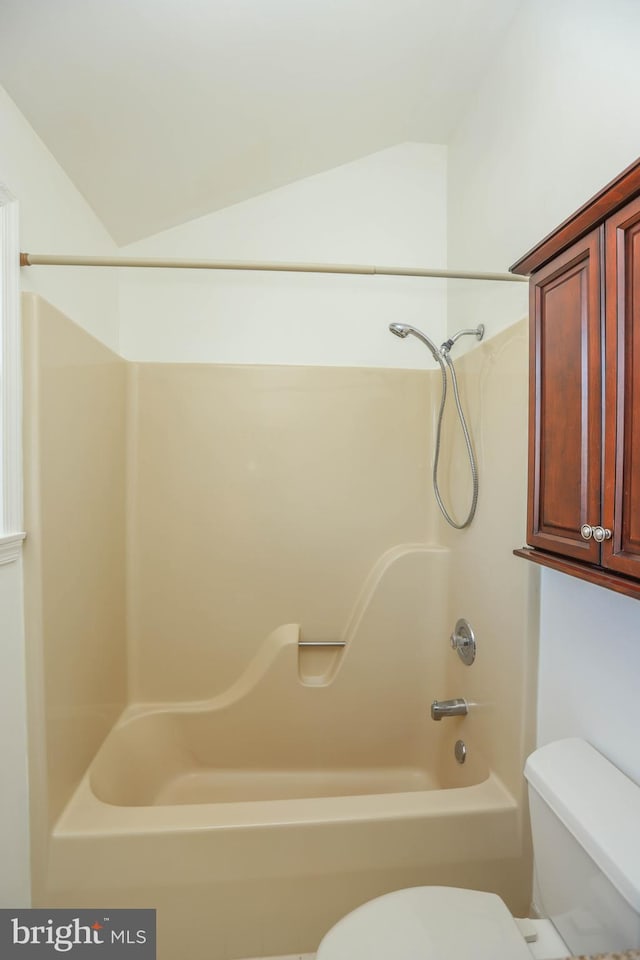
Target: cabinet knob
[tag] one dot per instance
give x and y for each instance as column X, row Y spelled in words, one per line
column 601, row 533
column 598, row 533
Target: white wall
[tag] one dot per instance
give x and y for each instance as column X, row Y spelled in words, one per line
column 55, row 218
column 589, row 668
column 386, row 209
column 554, row 122
column 14, row 800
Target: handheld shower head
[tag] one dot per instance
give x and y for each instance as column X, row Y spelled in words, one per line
column 404, row 329
column 399, row 329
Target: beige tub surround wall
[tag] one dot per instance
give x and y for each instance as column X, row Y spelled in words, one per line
column 261, row 496
column 361, row 728
column 74, row 430
column 489, row 586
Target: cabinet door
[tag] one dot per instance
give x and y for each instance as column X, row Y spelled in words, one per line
column 621, row 507
column 565, row 407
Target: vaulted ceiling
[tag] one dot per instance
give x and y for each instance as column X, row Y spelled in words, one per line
column 165, row 110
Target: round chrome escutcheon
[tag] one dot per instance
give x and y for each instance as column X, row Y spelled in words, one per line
column 464, row 642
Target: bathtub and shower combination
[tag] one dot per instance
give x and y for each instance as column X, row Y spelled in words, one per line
column 316, row 779
column 254, row 820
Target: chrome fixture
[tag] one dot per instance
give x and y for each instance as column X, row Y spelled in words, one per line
column 463, row 640
column 460, row 751
column 449, row 708
column 322, row 643
column 403, row 330
column 477, row 332
column 441, row 356
column 598, row 533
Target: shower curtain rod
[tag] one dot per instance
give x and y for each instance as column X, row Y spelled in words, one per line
column 37, row 259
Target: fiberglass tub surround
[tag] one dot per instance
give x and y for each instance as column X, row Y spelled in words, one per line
column 283, row 730
column 190, row 755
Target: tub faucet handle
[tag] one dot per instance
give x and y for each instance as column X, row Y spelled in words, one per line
column 449, row 708
column 463, row 641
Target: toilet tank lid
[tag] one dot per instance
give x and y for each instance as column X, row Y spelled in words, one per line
column 597, row 803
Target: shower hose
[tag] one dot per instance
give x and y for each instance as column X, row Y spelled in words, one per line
column 445, row 361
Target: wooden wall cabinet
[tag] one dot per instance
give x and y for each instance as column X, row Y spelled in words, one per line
column 584, row 403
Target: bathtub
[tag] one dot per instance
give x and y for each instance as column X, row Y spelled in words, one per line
column 254, row 820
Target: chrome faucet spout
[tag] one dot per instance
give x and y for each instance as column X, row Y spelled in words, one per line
column 449, row 708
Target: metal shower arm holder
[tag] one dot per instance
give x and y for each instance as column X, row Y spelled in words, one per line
column 477, row 332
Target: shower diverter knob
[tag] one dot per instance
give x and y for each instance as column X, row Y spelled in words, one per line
column 464, row 642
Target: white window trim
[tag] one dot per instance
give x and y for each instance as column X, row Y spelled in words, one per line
column 11, row 518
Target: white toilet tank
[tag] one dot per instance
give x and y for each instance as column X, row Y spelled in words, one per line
column 585, row 819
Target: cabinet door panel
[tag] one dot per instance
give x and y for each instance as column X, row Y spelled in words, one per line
column 566, row 402
column 622, row 411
